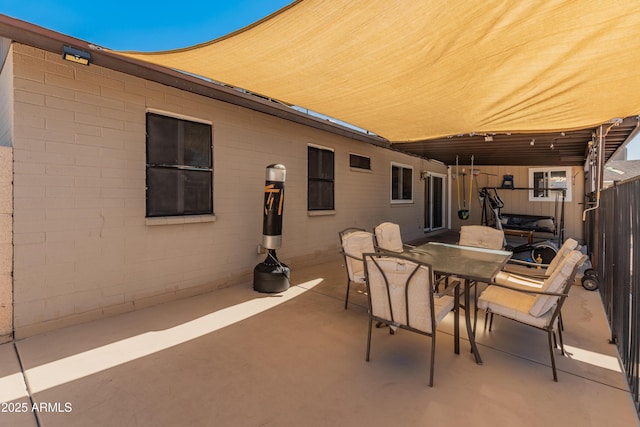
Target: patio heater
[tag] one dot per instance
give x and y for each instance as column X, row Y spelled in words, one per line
column 271, row 275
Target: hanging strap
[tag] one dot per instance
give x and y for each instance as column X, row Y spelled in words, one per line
column 458, row 182
column 470, row 185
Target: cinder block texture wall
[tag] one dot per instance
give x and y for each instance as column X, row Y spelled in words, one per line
column 6, row 247
column 6, row 192
column 83, row 247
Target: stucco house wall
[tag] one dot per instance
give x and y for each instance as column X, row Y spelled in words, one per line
column 82, row 245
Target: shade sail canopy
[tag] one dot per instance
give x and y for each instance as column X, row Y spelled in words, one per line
column 417, row 70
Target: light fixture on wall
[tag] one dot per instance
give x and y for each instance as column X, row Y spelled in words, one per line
column 76, row 55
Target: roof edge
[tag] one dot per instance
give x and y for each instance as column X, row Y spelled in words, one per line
column 42, row 38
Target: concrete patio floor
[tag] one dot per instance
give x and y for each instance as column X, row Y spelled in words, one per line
column 235, row 357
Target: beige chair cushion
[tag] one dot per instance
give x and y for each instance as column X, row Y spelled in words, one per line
column 555, row 284
column 388, row 237
column 535, row 310
column 523, row 281
column 419, row 291
column 512, row 304
column 566, row 248
column 481, row 236
column 517, row 281
column 355, row 244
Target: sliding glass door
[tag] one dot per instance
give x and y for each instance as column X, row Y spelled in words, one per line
column 434, row 199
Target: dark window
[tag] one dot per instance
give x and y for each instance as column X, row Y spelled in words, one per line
column 179, row 167
column 321, row 179
column 359, row 162
column 401, row 183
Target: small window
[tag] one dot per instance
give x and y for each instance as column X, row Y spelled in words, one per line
column 320, row 186
column 546, row 184
column 401, row 183
column 179, row 167
column 357, row 161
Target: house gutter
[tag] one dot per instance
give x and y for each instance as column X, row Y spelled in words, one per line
column 599, row 176
column 600, row 165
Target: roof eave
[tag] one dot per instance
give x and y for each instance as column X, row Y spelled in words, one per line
column 33, row 35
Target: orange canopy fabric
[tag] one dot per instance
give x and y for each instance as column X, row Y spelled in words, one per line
column 409, row 70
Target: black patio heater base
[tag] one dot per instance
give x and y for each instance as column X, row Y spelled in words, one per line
column 271, row 276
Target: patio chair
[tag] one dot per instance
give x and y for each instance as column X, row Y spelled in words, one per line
column 388, row 238
column 481, row 236
column 400, row 294
column 525, row 279
column 536, row 308
column 353, row 243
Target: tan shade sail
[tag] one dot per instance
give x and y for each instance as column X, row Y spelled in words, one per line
column 412, row 70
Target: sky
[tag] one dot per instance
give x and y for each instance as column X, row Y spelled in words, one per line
column 153, row 26
column 142, row 25
column 633, row 149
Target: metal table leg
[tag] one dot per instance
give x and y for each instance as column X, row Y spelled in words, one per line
column 456, row 319
column 467, row 318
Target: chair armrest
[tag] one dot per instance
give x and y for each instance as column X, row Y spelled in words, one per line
column 529, row 291
column 350, row 256
column 525, row 274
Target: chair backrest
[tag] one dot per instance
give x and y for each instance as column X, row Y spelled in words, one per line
column 559, row 282
column 566, row 248
column 400, row 291
column 355, row 242
column 481, row 236
column 388, row 237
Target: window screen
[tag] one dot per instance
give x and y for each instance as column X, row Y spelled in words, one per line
column 359, row 162
column 401, row 183
column 320, row 188
column 179, row 167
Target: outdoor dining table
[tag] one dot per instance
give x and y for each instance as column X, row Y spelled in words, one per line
column 467, row 263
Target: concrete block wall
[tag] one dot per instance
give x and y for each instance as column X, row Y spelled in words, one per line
column 83, row 247
column 6, row 192
column 6, row 246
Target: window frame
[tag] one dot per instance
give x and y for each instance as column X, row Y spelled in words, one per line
column 550, row 194
column 182, row 169
column 402, row 167
column 320, row 179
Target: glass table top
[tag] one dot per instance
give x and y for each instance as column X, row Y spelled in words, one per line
column 464, row 261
